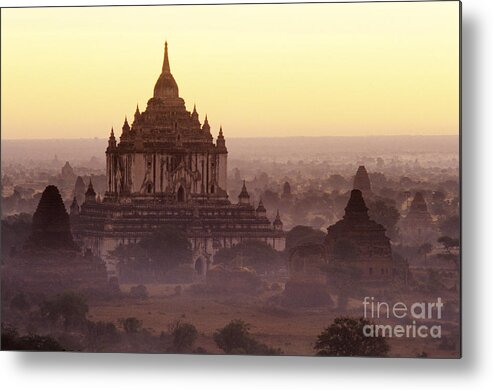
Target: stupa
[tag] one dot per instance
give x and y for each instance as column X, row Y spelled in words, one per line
column 360, row 241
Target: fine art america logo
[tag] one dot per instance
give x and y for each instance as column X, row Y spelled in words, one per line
column 417, row 313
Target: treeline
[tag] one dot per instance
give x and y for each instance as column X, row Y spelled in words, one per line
column 61, row 324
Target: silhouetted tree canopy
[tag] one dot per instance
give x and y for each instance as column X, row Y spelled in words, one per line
column 164, row 250
column 425, row 249
column 449, row 243
column 11, row 341
column 255, row 254
column 184, row 335
column 101, row 333
column 345, row 337
column 69, row 308
column 386, row 215
column 303, row 235
column 235, row 339
column 130, row 324
column 342, row 275
column 451, row 226
column 15, row 231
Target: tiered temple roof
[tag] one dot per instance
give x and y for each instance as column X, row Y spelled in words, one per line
column 51, row 223
column 363, row 240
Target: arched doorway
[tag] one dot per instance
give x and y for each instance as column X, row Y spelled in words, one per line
column 181, row 194
column 200, row 266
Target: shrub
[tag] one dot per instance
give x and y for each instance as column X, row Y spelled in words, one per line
column 184, row 335
column 68, row 307
column 139, row 292
column 344, row 337
column 235, row 339
column 11, row 341
column 102, row 333
column 130, row 324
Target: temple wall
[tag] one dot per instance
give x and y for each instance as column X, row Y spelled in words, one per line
column 137, row 172
column 198, row 173
column 223, row 171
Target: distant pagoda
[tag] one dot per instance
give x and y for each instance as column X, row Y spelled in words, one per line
column 51, row 223
column 362, row 181
column 418, row 227
column 167, row 169
column 360, row 241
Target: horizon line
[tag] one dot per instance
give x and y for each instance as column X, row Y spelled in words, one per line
column 259, row 137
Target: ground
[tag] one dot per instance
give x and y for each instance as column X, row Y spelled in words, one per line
column 294, row 331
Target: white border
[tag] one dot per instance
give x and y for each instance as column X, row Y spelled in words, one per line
column 119, row 371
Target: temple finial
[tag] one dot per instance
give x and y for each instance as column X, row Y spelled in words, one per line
column 166, row 67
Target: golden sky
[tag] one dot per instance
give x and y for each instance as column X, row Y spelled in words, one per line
column 259, row 70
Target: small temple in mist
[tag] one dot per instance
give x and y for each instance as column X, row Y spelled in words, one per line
column 167, row 169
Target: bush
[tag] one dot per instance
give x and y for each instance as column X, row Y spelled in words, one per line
column 100, row 332
column 11, row 341
column 68, row 307
column 255, row 254
column 235, row 339
column 184, row 335
column 344, row 337
column 300, row 235
column 139, row 292
column 130, row 324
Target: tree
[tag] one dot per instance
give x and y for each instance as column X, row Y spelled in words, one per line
column 11, row 341
column 303, row 235
column 68, row 307
column 235, row 339
column 449, row 243
column 168, row 247
column 386, row 215
column 139, row 292
column 252, row 253
column 130, row 324
column 425, row 249
column 15, row 231
column 101, row 333
column 337, row 182
column 343, row 275
column 162, row 251
column 451, row 226
column 345, row 337
column 184, row 335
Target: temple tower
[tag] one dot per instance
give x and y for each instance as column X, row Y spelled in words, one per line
column 362, row 181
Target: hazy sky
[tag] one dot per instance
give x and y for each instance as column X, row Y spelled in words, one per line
column 259, row 70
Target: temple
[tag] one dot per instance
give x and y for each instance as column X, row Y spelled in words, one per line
column 360, row 241
column 167, row 169
column 418, row 226
column 362, row 181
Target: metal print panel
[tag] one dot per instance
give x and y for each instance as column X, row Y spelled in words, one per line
column 277, row 179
